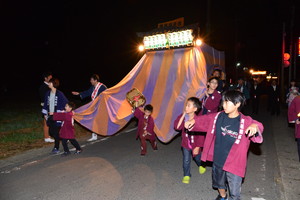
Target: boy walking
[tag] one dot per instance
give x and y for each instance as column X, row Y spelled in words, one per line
column 227, row 142
column 145, row 129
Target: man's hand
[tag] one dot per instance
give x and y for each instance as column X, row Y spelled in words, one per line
column 75, row 93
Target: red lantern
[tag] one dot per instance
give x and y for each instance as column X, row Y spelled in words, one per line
column 286, row 56
column 286, row 63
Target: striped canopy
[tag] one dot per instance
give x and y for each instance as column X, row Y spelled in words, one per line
column 166, row 78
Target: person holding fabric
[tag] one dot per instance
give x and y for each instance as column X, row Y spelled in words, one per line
column 227, row 142
column 55, row 101
column 94, row 91
column 67, row 131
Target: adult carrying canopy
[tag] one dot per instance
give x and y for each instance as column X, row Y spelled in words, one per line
column 167, row 78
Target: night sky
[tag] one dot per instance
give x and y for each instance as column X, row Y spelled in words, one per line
column 74, row 39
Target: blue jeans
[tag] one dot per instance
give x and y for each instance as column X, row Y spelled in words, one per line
column 223, row 180
column 187, row 157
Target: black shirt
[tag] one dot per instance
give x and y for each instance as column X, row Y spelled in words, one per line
column 227, row 130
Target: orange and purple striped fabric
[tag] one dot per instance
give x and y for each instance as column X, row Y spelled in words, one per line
column 166, row 78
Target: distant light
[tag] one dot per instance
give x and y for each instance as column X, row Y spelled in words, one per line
column 198, row 42
column 141, row 48
column 274, row 77
column 238, row 64
column 259, row 73
column 251, row 71
column 269, row 77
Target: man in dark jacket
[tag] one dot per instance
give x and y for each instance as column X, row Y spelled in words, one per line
column 43, row 89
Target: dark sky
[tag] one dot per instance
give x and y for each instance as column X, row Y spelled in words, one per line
column 74, row 39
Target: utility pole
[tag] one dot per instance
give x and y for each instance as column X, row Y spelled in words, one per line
column 291, row 43
column 282, row 61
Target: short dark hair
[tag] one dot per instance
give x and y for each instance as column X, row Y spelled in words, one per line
column 95, row 77
column 46, row 74
column 149, row 107
column 71, row 105
column 55, row 82
column 213, row 77
column 235, row 97
column 196, row 103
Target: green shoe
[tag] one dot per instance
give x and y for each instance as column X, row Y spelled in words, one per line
column 202, row 170
column 186, row 179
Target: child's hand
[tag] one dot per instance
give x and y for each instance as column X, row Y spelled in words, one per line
column 297, row 121
column 189, row 124
column 50, row 113
column 251, row 130
column 196, row 151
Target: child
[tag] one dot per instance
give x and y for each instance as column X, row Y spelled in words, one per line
column 212, row 98
column 67, row 131
column 188, row 139
column 227, row 142
column 145, row 129
column 293, row 116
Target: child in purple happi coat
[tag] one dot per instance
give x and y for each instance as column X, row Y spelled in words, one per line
column 212, row 98
column 145, row 127
column 294, row 117
column 67, row 131
column 189, row 139
column 227, row 142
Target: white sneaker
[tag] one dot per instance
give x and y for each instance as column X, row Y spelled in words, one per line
column 93, row 138
column 49, row 140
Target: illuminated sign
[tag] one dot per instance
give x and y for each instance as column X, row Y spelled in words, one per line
column 169, row 39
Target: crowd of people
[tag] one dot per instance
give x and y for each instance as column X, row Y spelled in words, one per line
column 57, row 111
column 215, row 128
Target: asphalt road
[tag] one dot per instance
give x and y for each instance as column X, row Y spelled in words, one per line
column 111, row 168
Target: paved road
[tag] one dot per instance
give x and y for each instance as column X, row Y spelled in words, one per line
column 112, row 169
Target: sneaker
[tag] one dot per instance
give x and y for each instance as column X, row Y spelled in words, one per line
column 202, row 170
column 78, row 152
column 93, row 138
column 49, row 140
column 186, row 179
column 221, row 198
column 66, row 154
column 55, row 151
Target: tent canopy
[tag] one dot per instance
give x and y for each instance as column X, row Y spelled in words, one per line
column 167, row 78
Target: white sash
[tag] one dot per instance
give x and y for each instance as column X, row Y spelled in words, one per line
column 94, row 94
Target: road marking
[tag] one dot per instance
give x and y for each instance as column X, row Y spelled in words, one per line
column 255, row 198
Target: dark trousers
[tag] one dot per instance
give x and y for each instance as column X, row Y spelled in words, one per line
column 187, row 158
column 255, row 105
column 275, row 107
column 54, row 131
column 298, row 144
column 73, row 142
column 144, row 144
